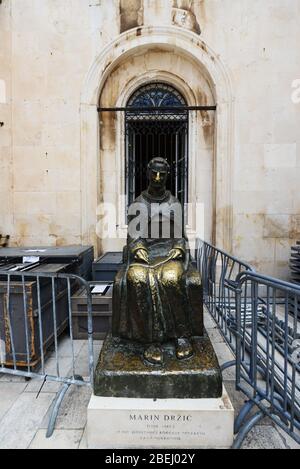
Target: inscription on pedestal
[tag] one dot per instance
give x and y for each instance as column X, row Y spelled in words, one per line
column 132, row 423
column 165, row 427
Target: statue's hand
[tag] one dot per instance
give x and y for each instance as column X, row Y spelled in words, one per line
column 176, row 254
column 142, row 256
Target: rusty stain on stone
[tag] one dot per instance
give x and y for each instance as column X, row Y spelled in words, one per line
column 207, row 118
column 203, row 46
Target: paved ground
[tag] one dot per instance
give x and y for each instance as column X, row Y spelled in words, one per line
column 24, row 416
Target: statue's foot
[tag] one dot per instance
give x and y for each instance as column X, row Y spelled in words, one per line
column 184, row 349
column 154, row 355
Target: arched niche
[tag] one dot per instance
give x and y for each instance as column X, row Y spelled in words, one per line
column 215, row 85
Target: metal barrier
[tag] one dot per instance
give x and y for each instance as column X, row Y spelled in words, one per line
column 268, row 354
column 219, row 271
column 253, row 313
column 34, row 310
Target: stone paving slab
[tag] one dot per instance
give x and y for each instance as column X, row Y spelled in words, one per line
column 65, row 347
column 223, row 352
column 229, row 374
column 215, row 336
column 73, row 411
column 289, row 442
column 264, row 437
column 238, row 400
column 9, row 393
column 208, row 320
column 61, row 439
column 82, row 361
column 19, row 425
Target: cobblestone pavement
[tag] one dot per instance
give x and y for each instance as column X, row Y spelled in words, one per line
column 24, row 416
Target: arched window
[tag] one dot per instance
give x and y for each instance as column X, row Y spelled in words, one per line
column 154, row 129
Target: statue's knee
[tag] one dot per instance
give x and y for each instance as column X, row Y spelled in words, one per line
column 172, row 274
column 137, row 275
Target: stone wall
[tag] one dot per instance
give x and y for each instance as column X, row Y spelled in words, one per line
column 47, row 48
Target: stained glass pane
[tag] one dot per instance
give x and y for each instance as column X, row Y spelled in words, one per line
column 156, row 95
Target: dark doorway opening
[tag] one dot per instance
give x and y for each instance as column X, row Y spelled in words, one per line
column 156, row 133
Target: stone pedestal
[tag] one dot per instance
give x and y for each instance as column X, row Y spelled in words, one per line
column 122, row 423
column 123, row 372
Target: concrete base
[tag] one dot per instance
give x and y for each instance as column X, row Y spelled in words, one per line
column 122, row 423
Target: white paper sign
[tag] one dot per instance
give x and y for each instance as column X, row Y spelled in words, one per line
column 30, row 259
column 99, row 289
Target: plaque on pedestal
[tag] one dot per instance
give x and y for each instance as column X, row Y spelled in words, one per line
column 122, row 423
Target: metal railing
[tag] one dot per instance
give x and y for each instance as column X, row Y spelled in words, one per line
column 268, row 354
column 219, row 271
column 35, row 308
column 257, row 316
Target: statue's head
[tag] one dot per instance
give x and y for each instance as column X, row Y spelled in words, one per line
column 158, row 171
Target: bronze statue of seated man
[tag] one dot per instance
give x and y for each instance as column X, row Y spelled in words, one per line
column 157, row 296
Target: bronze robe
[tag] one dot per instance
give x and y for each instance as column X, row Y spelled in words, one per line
column 161, row 301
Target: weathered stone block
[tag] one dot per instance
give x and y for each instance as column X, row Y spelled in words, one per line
column 122, row 372
column 280, row 155
column 277, row 226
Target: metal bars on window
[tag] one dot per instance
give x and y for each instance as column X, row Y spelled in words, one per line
column 157, row 124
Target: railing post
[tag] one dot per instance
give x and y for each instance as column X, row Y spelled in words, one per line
column 238, row 309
